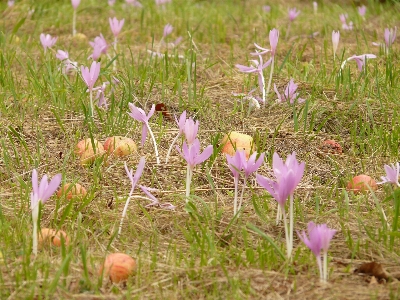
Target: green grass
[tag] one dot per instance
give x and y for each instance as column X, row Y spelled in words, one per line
column 199, row 250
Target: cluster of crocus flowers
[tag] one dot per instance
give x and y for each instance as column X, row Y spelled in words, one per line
column 319, row 238
column 335, row 42
column 139, row 115
column 237, row 164
column 190, row 148
column 75, row 4
column 40, row 193
column 90, row 77
column 68, row 65
column 287, row 176
column 345, row 26
column 289, row 95
column 359, row 59
column 47, row 41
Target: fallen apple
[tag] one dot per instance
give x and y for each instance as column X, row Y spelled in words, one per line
column 120, row 146
column 48, row 235
column 76, row 191
column 236, row 141
column 360, row 183
column 87, row 153
column 118, row 267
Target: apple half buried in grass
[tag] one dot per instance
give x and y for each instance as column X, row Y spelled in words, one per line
column 87, row 153
column 360, row 183
column 74, row 191
column 118, row 267
column 48, row 235
column 237, row 141
column 120, row 146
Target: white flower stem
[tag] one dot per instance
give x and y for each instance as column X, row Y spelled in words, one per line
column 236, row 181
column 189, row 174
column 321, row 274
column 91, row 103
column 325, row 267
column 270, row 78
column 115, row 50
column 263, row 86
column 170, row 147
column 291, row 222
column 154, row 143
column 124, row 211
column 278, row 215
column 241, row 195
column 289, row 253
column 74, row 23
column 35, row 217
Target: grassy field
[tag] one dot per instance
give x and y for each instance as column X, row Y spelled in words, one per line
column 199, row 250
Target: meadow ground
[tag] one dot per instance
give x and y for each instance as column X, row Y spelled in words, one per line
column 199, row 250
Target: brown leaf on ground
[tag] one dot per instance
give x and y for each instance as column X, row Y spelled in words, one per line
column 373, row 269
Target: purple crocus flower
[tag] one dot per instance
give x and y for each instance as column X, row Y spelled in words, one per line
column 99, row 46
column 293, row 13
column 40, row 193
column 236, row 164
column 273, row 41
column 266, row 8
column 289, row 94
column 10, row 3
column 75, row 3
column 192, row 153
column 47, row 41
column 392, row 174
column 288, row 175
column 257, row 67
column 252, row 164
column 335, row 42
column 343, row 19
column 191, row 128
column 362, row 10
column 167, row 30
column 139, row 115
column 133, row 178
column 101, row 96
column 43, row 191
column 154, row 200
column 69, row 65
column 116, row 26
column 319, row 238
column 360, row 60
column 390, row 36
column 90, row 75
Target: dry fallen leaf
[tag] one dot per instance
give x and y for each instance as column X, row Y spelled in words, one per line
column 373, row 269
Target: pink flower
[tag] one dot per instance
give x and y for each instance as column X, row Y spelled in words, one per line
column 116, row 25
column 10, row 3
column 362, row 10
column 335, row 41
column 43, row 191
column 62, row 55
column 192, row 154
column 266, row 8
column 273, row 42
column 343, row 19
column 90, row 75
column 47, row 41
column 360, row 60
column 139, row 115
column 75, row 3
column 101, row 96
column 111, row 2
column 287, row 174
column 167, row 30
column 392, row 174
column 251, row 165
column 289, row 93
column 390, row 36
column 154, row 200
column 69, row 65
column 257, row 67
column 99, row 46
column 293, row 13
column 236, row 163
